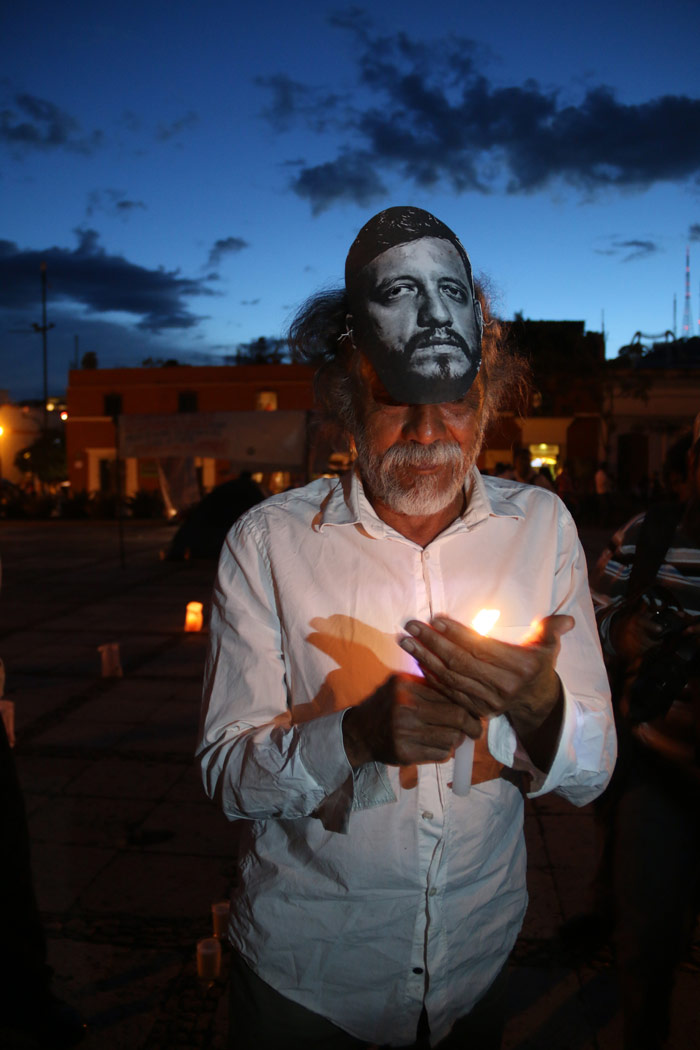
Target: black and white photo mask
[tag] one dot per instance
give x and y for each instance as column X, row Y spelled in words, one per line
column 414, row 313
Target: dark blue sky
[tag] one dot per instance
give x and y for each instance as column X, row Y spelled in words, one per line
column 191, row 172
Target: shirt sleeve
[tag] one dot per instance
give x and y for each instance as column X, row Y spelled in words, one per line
column 587, row 746
column 255, row 761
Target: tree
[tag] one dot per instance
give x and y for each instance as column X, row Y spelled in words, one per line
column 261, row 351
column 45, row 459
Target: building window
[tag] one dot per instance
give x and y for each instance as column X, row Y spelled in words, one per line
column 266, row 401
column 187, row 401
column 113, row 405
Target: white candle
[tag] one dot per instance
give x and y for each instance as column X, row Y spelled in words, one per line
column 462, row 773
column 464, row 755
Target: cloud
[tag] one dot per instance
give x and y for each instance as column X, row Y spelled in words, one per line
column 165, row 132
column 89, row 277
column 630, row 250
column 112, row 202
column 694, row 232
column 291, row 101
column 428, row 114
column 29, row 122
column 350, row 177
column 249, row 302
column 225, row 246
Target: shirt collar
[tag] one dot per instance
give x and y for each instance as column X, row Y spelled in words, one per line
column 347, row 504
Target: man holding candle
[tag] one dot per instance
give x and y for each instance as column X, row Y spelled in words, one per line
column 375, row 904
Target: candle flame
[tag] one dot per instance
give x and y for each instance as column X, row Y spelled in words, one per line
column 485, row 619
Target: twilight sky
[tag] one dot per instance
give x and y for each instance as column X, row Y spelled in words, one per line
column 190, row 172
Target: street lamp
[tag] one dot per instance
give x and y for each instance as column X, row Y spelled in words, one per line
column 2, row 431
column 43, row 328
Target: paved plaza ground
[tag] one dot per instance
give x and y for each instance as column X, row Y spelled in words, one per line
column 129, row 854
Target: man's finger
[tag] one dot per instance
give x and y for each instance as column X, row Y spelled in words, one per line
column 549, row 630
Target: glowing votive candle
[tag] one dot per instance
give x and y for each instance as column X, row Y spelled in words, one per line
column 464, row 755
column 193, row 616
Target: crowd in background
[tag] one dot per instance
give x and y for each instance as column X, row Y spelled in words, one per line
column 591, row 493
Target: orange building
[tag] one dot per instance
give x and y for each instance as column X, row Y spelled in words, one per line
column 183, row 399
column 96, row 397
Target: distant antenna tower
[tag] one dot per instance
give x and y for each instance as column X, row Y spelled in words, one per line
column 675, row 311
column 686, row 310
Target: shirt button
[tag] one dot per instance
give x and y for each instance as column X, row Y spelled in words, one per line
column 418, row 969
column 426, row 814
column 432, row 891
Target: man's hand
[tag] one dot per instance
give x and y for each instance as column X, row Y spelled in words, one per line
column 487, row 677
column 406, row 721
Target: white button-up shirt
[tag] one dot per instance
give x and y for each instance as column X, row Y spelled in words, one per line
column 363, row 896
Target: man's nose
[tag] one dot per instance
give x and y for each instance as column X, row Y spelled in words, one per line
column 424, row 424
column 434, row 311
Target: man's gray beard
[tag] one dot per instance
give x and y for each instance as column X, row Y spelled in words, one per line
column 424, row 493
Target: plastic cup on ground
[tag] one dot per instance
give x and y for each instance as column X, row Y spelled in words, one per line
column 219, row 917
column 208, row 958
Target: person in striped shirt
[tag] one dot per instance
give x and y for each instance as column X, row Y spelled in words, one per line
column 646, row 592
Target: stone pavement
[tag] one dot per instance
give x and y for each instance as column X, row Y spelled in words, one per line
column 128, row 853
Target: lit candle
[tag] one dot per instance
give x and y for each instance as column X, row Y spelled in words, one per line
column 193, row 616
column 464, row 755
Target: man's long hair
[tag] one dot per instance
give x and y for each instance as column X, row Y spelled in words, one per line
column 318, row 336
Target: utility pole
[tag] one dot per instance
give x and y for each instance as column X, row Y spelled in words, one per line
column 44, row 328
column 686, row 310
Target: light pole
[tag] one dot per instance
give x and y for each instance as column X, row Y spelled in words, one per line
column 44, row 328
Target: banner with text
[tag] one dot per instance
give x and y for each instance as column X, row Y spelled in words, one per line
column 250, row 440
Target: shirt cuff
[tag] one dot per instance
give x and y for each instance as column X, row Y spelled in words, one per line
column 506, row 748
column 346, row 789
column 322, row 752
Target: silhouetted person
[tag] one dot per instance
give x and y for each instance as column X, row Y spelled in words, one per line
column 30, row 1015
column 522, row 467
column 544, row 478
column 603, row 493
column 647, row 593
column 565, row 486
column 204, row 529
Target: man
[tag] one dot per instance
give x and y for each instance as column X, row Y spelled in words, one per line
column 523, row 467
column 31, row 1016
column 647, row 594
column 375, row 904
column 603, row 493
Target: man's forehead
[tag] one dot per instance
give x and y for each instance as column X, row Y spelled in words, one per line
column 423, row 255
